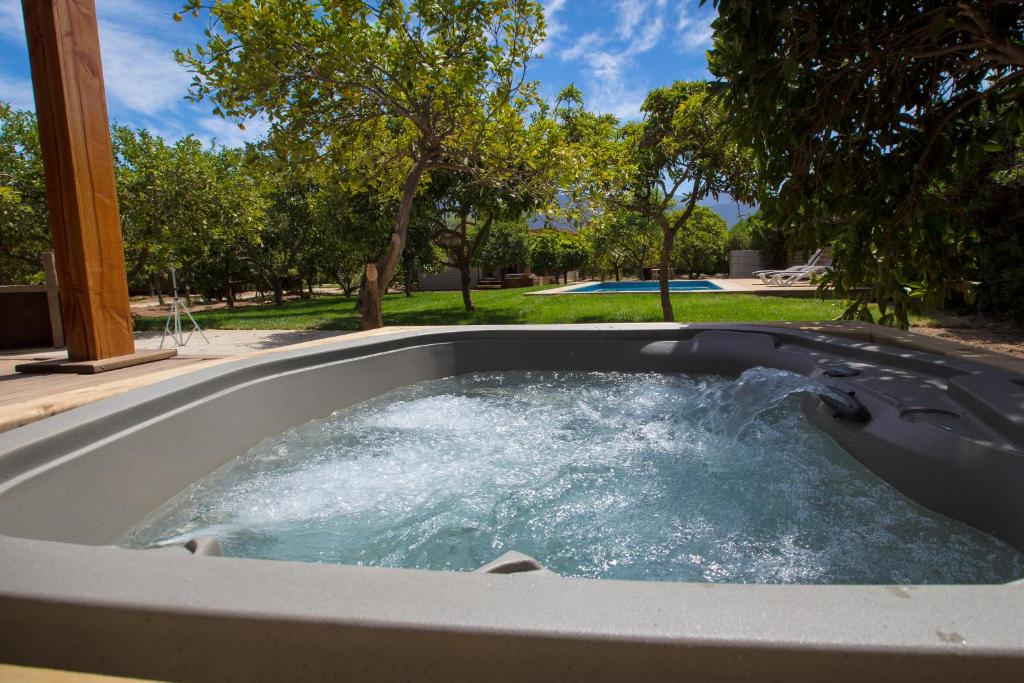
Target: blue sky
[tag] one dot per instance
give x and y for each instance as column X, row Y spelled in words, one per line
column 615, row 50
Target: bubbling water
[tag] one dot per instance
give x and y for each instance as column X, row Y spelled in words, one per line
column 611, row 475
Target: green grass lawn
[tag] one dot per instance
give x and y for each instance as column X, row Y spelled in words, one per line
column 509, row 306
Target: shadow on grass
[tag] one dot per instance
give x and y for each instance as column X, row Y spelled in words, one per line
column 426, row 317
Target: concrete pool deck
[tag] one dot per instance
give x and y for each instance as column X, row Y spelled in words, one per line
column 27, row 398
column 725, row 286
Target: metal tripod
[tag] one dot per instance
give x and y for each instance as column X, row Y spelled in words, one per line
column 173, row 324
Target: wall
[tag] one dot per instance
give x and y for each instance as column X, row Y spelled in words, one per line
column 743, row 263
column 447, row 280
column 24, row 317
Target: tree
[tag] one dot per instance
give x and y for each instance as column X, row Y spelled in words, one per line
column 755, row 232
column 557, row 251
column 356, row 226
column 168, row 196
column 860, row 116
column 508, row 245
column 24, row 231
column 236, row 200
column 462, row 213
column 421, row 253
column 987, row 200
column 701, row 248
column 681, row 153
column 573, row 254
column 386, row 90
column 623, row 237
column 284, row 235
column 198, row 209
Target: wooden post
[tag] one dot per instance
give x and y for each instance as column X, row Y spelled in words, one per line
column 74, row 137
column 78, row 160
column 53, row 299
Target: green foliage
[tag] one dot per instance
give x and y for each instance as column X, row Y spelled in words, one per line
column 353, row 229
column 989, row 202
column 679, row 154
column 200, row 210
column 755, row 232
column 509, row 244
column 385, row 92
column 701, row 247
column 860, row 116
column 739, row 236
column 460, row 213
column 624, row 240
column 24, row 232
column 557, row 251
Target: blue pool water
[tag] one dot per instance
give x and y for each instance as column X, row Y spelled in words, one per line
column 603, row 475
column 647, row 286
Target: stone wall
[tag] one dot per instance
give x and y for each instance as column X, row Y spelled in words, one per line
column 743, row 263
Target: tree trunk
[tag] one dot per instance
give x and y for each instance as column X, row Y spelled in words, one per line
column 278, row 291
column 229, row 293
column 362, row 288
column 384, row 270
column 617, row 278
column 345, row 283
column 667, row 237
column 309, row 288
column 467, row 300
column 369, row 298
column 140, row 262
column 408, row 282
column 159, row 291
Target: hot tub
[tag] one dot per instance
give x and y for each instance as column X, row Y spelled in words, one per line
column 947, row 433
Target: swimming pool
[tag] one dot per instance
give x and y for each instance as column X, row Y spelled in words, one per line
column 644, row 286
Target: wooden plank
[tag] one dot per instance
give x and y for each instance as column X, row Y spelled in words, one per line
column 91, row 367
column 74, row 138
column 27, row 674
column 22, row 289
column 53, row 298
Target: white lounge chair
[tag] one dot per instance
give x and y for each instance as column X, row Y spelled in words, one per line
column 799, row 278
column 766, row 276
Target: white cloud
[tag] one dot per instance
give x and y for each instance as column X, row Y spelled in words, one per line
column 12, row 22
column 140, row 75
column 586, row 44
column 610, row 86
column 139, row 69
column 554, row 26
column 647, row 39
column 614, row 96
column 694, row 32
column 608, row 59
column 630, row 12
column 224, row 132
column 17, row 92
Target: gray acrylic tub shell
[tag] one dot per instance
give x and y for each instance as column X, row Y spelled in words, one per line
column 947, row 432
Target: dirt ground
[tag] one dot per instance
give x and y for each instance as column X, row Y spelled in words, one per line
column 149, row 306
column 977, row 330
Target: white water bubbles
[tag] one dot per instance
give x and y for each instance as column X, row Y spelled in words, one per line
column 605, row 475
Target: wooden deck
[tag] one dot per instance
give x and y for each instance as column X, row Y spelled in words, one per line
column 27, row 398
